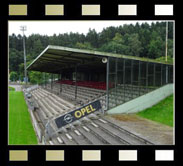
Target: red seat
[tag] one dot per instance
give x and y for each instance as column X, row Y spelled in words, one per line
column 89, row 84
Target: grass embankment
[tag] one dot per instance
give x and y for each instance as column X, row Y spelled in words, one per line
column 161, row 112
column 11, row 88
column 21, row 131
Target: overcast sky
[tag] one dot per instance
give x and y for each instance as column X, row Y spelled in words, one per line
column 58, row 27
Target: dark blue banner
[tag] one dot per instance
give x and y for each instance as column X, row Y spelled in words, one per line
column 77, row 114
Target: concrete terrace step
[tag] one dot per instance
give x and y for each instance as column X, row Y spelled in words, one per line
column 67, row 103
column 54, row 106
column 106, row 137
column 90, row 136
column 50, row 108
column 46, row 111
column 87, row 93
column 134, row 136
column 80, row 139
column 121, row 135
column 91, row 130
column 58, row 104
column 67, row 141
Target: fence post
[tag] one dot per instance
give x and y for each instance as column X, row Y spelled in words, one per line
column 139, row 79
column 107, row 80
column 132, row 78
column 124, row 79
column 116, row 79
column 147, row 72
column 154, row 75
column 76, row 83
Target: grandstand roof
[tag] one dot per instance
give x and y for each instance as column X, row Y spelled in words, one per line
column 55, row 58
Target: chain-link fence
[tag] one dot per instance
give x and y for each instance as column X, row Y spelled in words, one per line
column 129, row 78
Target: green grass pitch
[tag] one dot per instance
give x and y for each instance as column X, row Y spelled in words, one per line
column 21, row 131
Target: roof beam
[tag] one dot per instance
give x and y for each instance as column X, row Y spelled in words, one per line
column 68, row 55
column 58, row 60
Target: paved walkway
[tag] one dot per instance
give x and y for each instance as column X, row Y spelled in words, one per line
column 17, row 87
column 156, row 133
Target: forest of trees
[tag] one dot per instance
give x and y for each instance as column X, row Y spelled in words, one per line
column 142, row 40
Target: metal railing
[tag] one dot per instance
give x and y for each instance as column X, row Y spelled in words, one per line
column 51, row 128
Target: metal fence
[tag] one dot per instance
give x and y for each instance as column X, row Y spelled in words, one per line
column 128, row 78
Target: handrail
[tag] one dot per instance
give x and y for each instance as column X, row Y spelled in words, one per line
column 48, row 127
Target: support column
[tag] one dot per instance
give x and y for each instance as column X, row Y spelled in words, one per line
column 166, row 74
column 44, row 80
column 170, row 74
column 76, row 83
column 132, row 78
column 169, row 77
column 51, row 82
column 139, row 78
column 124, row 79
column 107, row 83
column 154, row 75
column 60, row 84
column 147, row 76
column 161, row 74
column 116, row 79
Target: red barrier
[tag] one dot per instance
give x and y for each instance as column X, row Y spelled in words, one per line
column 89, row 84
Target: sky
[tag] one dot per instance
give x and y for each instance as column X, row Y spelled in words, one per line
column 58, row 27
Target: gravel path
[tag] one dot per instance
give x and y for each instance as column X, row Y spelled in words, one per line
column 155, row 132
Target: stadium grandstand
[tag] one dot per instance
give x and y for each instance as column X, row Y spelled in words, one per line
column 70, row 107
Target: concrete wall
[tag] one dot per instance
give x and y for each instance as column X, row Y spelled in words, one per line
column 36, row 126
column 144, row 101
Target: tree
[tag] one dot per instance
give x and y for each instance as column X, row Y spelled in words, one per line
column 38, row 48
column 117, row 45
column 15, row 58
column 170, row 48
column 144, row 40
column 134, row 44
column 85, row 45
column 156, row 48
column 106, row 35
column 92, row 37
column 118, row 38
column 21, row 71
column 13, row 76
column 35, row 77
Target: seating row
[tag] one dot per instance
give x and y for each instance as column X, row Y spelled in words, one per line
column 90, row 84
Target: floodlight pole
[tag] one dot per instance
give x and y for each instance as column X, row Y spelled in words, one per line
column 24, row 28
column 166, row 47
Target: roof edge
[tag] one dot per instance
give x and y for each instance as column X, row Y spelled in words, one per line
column 39, row 56
column 107, row 54
column 93, row 52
